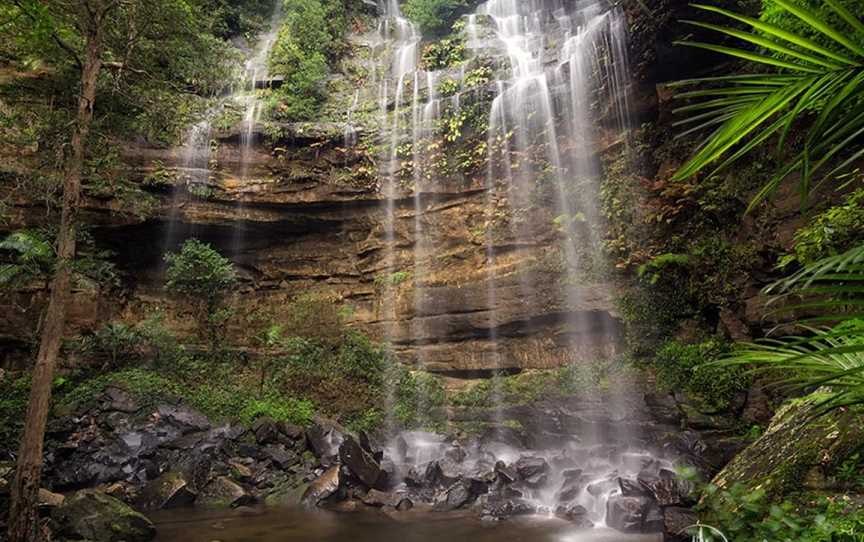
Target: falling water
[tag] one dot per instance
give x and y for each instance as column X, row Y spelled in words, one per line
column 543, row 130
column 255, row 75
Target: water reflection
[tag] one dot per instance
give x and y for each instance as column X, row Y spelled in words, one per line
column 298, row 525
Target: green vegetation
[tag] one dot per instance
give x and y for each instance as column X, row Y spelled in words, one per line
column 444, row 54
column 306, row 45
column 533, row 386
column 687, row 368
column 822, row 81
column 392, row 279
column 204, row 279
column 829, row 352
column 830, row 232
column 747, row 515
column 434, row 17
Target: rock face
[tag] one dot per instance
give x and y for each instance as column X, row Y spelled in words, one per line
column 91, row 515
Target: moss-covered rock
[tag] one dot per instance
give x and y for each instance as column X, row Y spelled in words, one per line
column 796, row 445
column 92, row 515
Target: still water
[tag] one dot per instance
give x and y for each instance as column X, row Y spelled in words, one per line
column 298, row 525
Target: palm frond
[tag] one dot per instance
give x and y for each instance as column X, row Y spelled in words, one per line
column 807, row 79
column 827, row 358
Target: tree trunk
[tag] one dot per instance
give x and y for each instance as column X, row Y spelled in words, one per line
column 23, row 517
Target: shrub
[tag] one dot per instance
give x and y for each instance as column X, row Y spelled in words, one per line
column 830, row 232
column 434, row 16
column 113, row 341
column 443, row 54
column 682, row 367
column 204, row 278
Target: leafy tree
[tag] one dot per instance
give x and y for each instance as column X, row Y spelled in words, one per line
column 132, row 54
column 805, row 85
column 434, row 16
column 204, row 278
column 32, row 254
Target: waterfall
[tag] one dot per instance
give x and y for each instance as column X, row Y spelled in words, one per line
column 255, row 75
column 560, row 61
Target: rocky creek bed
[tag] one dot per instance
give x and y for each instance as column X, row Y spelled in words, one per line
column 115, row 458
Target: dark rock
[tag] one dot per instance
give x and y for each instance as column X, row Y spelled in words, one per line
column 570, row 489
column 415, row 478
column 380, row 498
column 323, row 487
column 404, row 504
column 279, row 456
column 669, row 491
column 572, row 474
column 441, row 473
column 361, row 463
column 625, row 514
column 293, row 432
column 576, row 514
column 677, row 521
column 168, row 491
column 457, row 496
column 456, row 453
column 632, row 488
column 184, row 418
column 530, row 467
column 119, row 399
column 537, row 481
column 505, row 508
column 91, row 515
column 266, row 431
column 245, row 449
column 324, row 440
column 506, row 473
column 223, row 492
column 652, row 519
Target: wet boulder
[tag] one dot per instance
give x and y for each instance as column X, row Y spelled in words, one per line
column 91, row 515
column 183, row 418
column 456, row 497
column 442, row 473
column 531, row 467
column 570, row 489
column 223, row 492
column 505, row 508
column 633, row 515
column 323, row 487
column 266, row 431
column 380, row 498
column 171, row 490
column 324, row 440
column 677, row 522
column 279, row 456
column 632, row 488
column 506, row 473
column 361, row 463
column 669, row 490
column 575, row 514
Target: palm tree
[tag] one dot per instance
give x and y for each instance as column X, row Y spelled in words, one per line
column 803, row 85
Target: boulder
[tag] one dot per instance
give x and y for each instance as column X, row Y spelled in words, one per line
column 793, row 445
column 48, row 499
column 91, row 515
column 633, row 488
column 576, row 514
column 456, row 497
column 531, row 467
column 183, row 418
column 266, row 431
column 380, row 498
column 669, row 491
column 323, row 440
column 279, row 455
column 625, row 514
column 361, row 463
column 505, row 508
column 323, row 487
column 506, row 473
column 168, row 491
column 570, row 489
column 223, row 492
column 676, row 522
